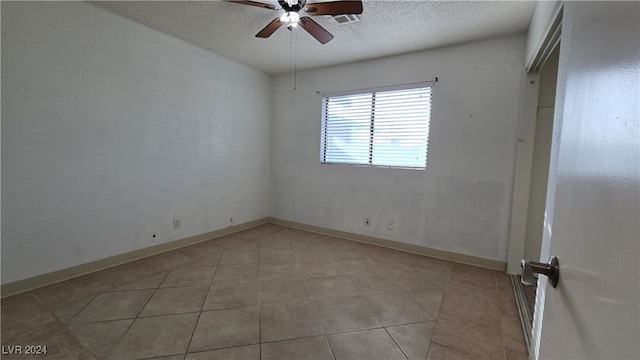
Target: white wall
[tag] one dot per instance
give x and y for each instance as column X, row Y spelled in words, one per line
column 461, row 203
column 110, row 130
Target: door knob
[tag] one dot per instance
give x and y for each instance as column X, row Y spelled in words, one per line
column 551, row 270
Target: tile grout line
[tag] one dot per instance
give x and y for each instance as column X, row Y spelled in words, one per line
column 395, row 342
column 139, row 312
column 435, row 327
column 68, row 323
column 202, row 306
column 128, row 327
column 315, row 308
column 470, row 357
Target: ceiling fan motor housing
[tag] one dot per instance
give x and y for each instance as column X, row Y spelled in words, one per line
column 292, row 18
column 295, row 6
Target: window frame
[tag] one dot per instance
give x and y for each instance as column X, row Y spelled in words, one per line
column 323, row 130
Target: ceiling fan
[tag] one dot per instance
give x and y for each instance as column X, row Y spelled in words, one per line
column 292, row 17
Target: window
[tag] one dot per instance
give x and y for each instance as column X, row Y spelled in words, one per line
column 386, row 127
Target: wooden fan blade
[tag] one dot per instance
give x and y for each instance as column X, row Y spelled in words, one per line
column 334, row 8
column 315, row 30
column 254, row 3
column 270, row 29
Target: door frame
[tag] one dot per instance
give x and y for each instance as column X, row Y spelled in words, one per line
column 545, row 32
column 546, row 37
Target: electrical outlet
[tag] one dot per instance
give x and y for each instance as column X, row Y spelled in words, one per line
column 367, row 221
column 391, row 224
column 176, row 223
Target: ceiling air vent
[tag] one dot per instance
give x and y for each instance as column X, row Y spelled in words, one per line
column 344, row 19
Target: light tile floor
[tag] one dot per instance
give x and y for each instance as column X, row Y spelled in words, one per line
column 272, row 293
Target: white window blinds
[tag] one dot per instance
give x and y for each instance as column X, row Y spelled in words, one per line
column 383, row 127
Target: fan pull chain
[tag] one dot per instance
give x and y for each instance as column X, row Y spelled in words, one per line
column 293, row 61
column 295, row 64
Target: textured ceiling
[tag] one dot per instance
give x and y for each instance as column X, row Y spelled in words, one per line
column 385, row 28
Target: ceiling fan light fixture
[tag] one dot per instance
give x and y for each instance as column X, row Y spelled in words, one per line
column 290, row 18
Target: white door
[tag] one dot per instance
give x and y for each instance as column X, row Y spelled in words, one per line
column 593, row 203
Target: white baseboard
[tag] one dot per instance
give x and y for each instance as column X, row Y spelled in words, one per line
column 31, row 283
column 411, row 248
